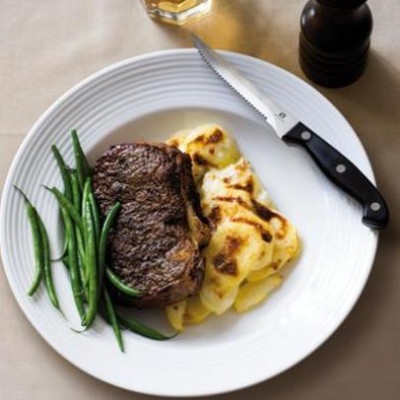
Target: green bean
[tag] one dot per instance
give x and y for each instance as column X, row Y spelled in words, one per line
column 64, row 172
column 112, row 318
column 85, row 194
column 105, row 316
column 82, row 166
column 48, row 278
column 37, row 243
column 95, row 212
column 85, row 198
column 73, row 264
column 67, row 205
column 109, row 221
column 81, row 255
column 138, row 327
column 42, row 253
column 36, row 236
column 91, row 267
column 77, row 202
column 76, row 191
column 65, row 245
column 121, row 286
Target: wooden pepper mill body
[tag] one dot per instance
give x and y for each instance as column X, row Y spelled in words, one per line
column 335, row 40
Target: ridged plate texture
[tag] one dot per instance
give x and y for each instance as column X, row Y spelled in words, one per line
column 150, row 97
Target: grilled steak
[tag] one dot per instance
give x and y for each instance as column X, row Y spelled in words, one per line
column 154, row 244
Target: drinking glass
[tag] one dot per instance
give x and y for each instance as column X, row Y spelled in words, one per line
column 177, row 11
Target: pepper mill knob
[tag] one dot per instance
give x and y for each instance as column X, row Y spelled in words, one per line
column 334, row 41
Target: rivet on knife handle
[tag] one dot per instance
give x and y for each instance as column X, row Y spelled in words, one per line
column 343, row 173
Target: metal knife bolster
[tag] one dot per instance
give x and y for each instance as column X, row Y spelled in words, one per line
column 343, row 173
column 282, row 121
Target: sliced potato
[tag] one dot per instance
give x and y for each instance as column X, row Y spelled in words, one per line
column 223, row 187
column 218, row 300
column 252, row 293
column 213, row 144
column 250, row 241
column 235, row 248
column 175, row 314
column 260, row 274
column 195, row 312
column 209, row 146
column 287, row 243
column 286, row 249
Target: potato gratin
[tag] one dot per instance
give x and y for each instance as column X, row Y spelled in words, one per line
column 250, row 242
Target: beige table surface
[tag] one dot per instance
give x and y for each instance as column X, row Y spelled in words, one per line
column 46, row 46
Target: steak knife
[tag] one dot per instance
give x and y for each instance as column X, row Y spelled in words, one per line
column 340, row 170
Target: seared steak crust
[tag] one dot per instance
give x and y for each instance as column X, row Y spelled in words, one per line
column 154, row 244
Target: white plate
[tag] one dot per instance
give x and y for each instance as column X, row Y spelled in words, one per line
column 150, row 97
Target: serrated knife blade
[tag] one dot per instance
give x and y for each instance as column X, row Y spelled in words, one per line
column 336, row 167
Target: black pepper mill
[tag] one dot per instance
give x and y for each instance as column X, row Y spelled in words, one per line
column 334, row 40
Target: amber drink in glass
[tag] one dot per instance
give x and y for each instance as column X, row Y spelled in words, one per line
column 177, row 11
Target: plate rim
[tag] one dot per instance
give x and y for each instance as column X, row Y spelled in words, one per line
column 104, row 71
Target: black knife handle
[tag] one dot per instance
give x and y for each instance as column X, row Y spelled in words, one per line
column 343, row 173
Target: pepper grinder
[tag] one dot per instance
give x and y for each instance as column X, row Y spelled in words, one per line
column 334, row 41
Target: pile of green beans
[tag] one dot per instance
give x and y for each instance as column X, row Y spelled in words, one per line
column 84, row 250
